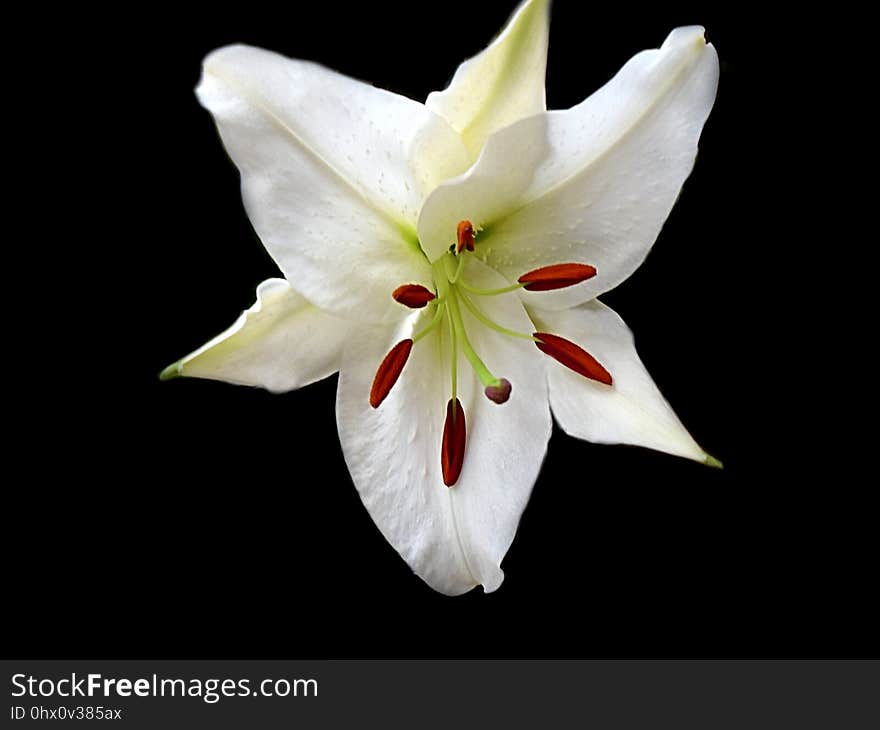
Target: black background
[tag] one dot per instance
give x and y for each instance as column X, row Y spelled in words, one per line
column 198, row 519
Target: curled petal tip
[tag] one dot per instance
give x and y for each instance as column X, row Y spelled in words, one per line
column 694, row 36
column 713, row 462
column 174, row 370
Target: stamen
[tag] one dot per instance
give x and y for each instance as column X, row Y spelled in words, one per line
column 572, row 356
column 389, row 371
column 465, row 234
column 454, row 439
column 414, row 296
column 557, row 276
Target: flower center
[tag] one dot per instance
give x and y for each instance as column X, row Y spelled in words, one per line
column 452, row 293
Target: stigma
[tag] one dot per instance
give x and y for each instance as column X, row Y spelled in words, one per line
column 451, row 295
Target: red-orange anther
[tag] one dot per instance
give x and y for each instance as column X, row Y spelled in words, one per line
column 465, row 235
column 389, row 371
column 414, row 296
column 556, row 276
column 572, row 356
column 454, row 438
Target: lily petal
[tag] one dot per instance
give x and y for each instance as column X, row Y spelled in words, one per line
column 333, row 174
column 282, row 342
column 453, row 538
column 501, row 85
column 592, row 184
column 632, row 410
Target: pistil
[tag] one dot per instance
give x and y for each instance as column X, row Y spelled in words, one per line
column 483, row 373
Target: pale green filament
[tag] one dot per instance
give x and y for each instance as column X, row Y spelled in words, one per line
column 458, row 269
column 435, row 320
column 454, row 352
column 490, row 324
column 447, row 264
column 488, row 292
column 444, row 293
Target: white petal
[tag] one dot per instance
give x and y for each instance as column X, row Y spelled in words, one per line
column 280, row 343
column 630, row 411
column 502, row 84
column 333, row 174
column 590, row 185
column 453, row 538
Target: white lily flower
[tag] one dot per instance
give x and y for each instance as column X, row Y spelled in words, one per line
column 436, row 254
